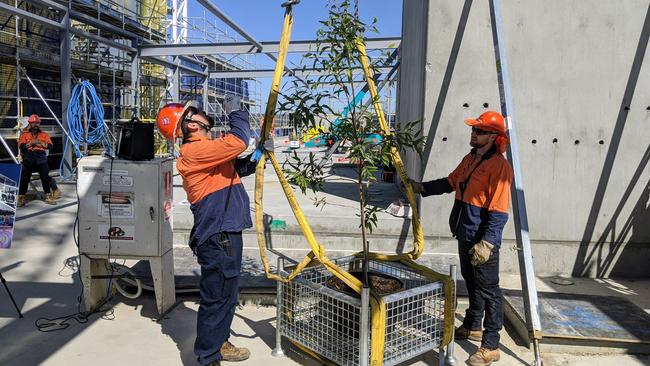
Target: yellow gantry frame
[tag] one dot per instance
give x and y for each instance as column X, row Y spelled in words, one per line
column 378, row 308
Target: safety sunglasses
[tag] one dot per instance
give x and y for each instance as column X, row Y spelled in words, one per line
column 190, row 120
column 480, row 132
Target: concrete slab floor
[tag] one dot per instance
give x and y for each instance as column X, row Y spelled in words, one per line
column 41, row 272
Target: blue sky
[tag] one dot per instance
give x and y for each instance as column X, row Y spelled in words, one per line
column 263, row 18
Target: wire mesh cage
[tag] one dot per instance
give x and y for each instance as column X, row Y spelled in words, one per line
column 327, row 321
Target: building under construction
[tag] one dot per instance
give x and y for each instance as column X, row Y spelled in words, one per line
column 45, row 47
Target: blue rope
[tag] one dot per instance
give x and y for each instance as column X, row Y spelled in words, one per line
column 94, row 115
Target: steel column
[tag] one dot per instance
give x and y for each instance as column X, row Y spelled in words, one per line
column 364, row 327
column 66, row 88
column 277, row 351
column 527, row 272
column 135, row 84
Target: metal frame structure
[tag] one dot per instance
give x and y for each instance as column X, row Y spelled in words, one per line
column 337, row 325
column 524, row 251
column 99, row 40
column 247, row 48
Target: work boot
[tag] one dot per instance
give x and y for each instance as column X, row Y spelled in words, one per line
column 56, row 194
column 231, row 353
column 49, row 199
column 20, row 202
column 463, row 333
column 484, row 357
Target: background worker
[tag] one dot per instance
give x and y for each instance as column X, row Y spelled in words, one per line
column 220, row 206
column 482, row 185
column 33, row 144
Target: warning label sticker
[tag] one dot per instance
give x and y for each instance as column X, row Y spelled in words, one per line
column 116, row 205
column 116, row 232
column 118, row 180
column 168, row 210
column 92, row 169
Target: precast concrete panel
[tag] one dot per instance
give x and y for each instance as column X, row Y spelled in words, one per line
column 412, row 58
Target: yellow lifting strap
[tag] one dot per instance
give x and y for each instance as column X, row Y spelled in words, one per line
column 418, row 235
column 317, row 251
column 378, row 307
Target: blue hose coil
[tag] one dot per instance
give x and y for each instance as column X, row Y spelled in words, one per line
column 94, row 115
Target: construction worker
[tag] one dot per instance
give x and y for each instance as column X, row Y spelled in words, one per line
column 33, row 144
column 482, row 185
column 220, row 206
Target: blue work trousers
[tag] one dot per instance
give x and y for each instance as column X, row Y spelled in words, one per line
column 220, row 264
column 43, row 172
column 485, row 296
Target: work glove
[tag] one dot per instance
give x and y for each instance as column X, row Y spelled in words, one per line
column 417, row 186
column 480, row 253
column 231, row 103
column 269, row 145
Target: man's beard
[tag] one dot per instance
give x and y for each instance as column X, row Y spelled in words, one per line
column 34, row 128
column 476, row 144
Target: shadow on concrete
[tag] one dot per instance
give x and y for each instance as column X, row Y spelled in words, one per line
column 11, row 266
column 263, row 329
column 609, row 256
column 584, row 261
column 446, row 81
column 20, row 336
column 471, row 348
column 616, row 262
column 46, row 211
column 179, row 324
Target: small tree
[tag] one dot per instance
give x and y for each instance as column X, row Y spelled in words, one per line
column 311, row 102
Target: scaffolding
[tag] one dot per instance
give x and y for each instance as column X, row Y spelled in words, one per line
column 59, row 43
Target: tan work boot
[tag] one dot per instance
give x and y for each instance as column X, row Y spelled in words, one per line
column 231, row 353
column 463, row 333
column 20, row 202
column 484, row 357
column 49, row 199
column 56, row 194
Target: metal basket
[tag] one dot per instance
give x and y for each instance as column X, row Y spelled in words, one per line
column 328, row 322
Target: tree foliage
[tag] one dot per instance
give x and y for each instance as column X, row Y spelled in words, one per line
column 317, row 100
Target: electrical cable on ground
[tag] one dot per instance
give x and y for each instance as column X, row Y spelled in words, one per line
column 44, row 324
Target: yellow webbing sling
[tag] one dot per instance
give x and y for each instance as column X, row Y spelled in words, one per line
column 317, row 251
column 378, row 308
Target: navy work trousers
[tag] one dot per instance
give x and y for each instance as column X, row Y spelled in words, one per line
column 485, row 296
column 219, row 288
column 43, row 172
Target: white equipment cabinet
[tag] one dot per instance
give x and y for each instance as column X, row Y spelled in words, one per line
column 125, row 212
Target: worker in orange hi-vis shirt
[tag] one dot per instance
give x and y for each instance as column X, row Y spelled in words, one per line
column 33, row 145
column 211, row 173
column 482, row 185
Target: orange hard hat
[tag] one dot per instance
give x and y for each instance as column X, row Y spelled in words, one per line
column 34, row 118
column 169, row 117
column 489, row 121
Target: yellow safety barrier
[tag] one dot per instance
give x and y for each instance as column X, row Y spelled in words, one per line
column 317, row 253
